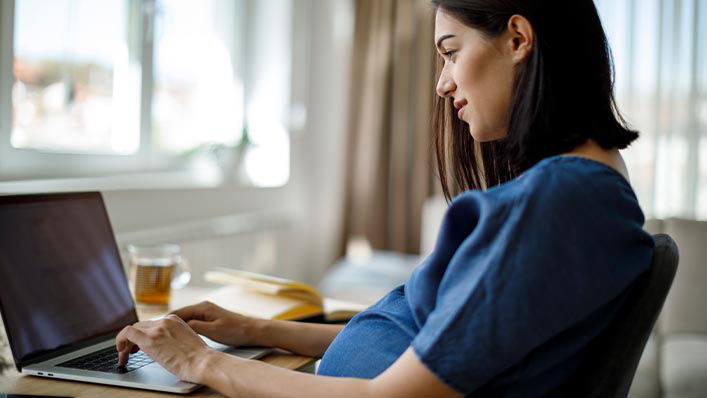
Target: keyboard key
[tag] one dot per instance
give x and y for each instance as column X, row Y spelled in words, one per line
column 106, row 360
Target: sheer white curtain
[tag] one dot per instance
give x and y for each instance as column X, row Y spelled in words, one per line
column 660, row 55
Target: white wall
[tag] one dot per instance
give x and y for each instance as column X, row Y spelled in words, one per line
column 314, row 195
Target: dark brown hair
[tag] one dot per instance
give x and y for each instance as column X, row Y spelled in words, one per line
column 562, row 94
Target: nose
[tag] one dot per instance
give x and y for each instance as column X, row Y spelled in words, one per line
column 445, row 84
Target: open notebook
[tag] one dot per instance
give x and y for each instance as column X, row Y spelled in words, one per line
column 269, row 297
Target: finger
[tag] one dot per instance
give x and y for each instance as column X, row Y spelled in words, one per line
column 123, row 345
column 201, row 327
column 191, row 312
column 121, row 341
column 174, row 318
column 124, row 352
column 126, row 341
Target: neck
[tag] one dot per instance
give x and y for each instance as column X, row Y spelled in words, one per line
column 610, row 157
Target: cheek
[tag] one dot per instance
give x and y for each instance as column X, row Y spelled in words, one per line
column 488, row 84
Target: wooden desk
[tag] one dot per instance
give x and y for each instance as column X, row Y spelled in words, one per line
column 13, row 382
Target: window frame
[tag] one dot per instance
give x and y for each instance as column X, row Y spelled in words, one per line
column 36, row 164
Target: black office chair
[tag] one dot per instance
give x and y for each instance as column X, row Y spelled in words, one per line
column 613, row 357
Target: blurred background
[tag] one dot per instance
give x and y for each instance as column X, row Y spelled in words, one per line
column 279, row 135
column 299, row 125
column 291, row 137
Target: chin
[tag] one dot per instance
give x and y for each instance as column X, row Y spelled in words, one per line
column 480, row 135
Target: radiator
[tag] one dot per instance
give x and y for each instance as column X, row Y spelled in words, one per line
column 252, row 242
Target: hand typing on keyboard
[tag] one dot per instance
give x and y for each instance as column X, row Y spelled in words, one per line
column 169, row 341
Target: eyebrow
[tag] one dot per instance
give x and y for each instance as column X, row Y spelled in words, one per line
column 443, row 38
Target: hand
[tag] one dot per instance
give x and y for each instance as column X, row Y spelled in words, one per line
column 170, row 342
column 220, row 325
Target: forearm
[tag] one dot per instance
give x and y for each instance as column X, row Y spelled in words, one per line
column 236, row 377
column 174, row 345
column 310, row 339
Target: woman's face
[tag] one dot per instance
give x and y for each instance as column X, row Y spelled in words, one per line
column 478, row 74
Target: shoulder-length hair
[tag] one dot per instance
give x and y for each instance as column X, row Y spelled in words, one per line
column 562, row 93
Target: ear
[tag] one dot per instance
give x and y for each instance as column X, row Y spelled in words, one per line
column 521, row 37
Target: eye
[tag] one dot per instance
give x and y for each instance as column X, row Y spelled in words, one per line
column 449, row 54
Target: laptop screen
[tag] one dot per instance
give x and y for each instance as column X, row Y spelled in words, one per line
column 61, row 278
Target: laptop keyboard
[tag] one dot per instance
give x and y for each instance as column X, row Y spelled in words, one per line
column 106, row 360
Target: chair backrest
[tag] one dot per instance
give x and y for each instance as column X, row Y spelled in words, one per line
column 613, row 357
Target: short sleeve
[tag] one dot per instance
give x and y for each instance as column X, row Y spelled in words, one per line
column 525, row 273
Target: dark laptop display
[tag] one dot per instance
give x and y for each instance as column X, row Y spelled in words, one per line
column 61, row 279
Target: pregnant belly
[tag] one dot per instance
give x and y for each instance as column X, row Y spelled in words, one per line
column 371, row 341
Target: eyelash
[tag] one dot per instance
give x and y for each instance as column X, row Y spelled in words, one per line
column 450, row 54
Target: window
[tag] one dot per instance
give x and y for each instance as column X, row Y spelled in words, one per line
column 74, row 88
column 197, row 98
column 661, row 85
column 92, row 88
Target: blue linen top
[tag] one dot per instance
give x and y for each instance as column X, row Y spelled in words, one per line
column 522, row 277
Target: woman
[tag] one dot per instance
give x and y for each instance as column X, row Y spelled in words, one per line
column 524, row 274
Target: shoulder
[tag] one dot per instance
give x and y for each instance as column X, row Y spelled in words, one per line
column 562, row 172
column 577, row 184
column 558, row 187
column 553, row 180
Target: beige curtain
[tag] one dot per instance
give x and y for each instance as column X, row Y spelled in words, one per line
column 660, row 52
column 390, row 166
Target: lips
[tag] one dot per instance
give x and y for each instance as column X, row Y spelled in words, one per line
column 460, row 105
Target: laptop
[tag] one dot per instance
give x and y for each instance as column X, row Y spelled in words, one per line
column 64, row 295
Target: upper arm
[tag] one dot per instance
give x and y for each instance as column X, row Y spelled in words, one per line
column 408, row 377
